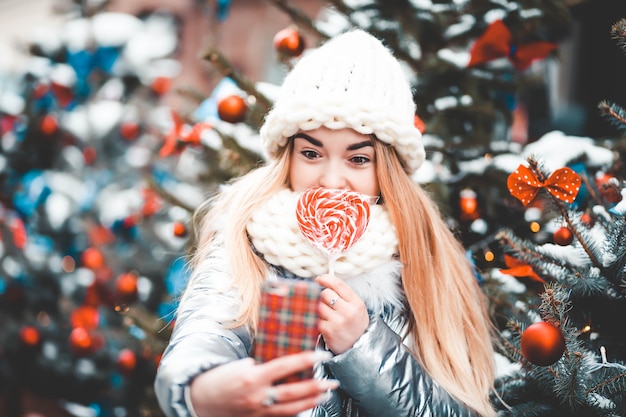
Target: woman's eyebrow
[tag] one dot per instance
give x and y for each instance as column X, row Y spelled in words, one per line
column 359, row 145
column 308, row 138
column 318, row 143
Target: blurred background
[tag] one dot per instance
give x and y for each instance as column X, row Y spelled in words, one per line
column 118, row 118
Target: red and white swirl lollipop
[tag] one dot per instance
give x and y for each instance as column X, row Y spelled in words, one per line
column 332, row 220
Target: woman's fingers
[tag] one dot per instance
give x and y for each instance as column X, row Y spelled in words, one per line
column 286, row 398
column 282, row 367
column 338, row 286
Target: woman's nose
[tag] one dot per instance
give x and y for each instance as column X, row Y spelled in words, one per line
column 333, row 177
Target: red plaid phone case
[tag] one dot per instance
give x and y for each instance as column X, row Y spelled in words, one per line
column 287, row 320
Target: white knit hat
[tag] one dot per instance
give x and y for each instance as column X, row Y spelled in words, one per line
column 351, row 81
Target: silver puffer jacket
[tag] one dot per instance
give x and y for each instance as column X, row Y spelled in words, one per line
column 378, row 376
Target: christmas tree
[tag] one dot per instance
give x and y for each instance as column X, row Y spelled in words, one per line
column 564, row 336
column 101, row 174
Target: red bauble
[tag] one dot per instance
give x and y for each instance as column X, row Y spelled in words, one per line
column 40, row 90
column 289, row 42
column 99, row 292
column 89, row 155
column 86, row 316
column 152, row 202
column 232, row 109
column 126, row 361
column 180, row 230
column 542, row 343
column 29, row 336
column 161, row 85
column 83, row 341
column 609, row 188
column 129, row 130
column 468, row 205
column 419, row 124
column 49, row 124
column 587, row 219
column 563, row 236
column 126, row 288
column 92, row 258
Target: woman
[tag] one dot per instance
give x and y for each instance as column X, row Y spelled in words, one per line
column 344, row 119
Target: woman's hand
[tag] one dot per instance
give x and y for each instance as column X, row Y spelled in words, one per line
column 343, row 315
column 245, row 388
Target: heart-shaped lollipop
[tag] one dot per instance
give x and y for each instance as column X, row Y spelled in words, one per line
column 332, row 220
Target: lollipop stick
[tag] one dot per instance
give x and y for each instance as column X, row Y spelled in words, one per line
column 331, row 264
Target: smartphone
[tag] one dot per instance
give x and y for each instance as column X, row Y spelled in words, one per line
column 288, row 319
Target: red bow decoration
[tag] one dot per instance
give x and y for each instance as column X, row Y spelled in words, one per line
column 524, row 185
column 180, row 134
column 497, row 42
column 520, row 269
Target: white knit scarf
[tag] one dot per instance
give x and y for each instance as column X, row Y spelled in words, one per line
column 274, row 232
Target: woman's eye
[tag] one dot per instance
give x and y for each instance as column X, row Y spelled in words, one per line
column 359, row 160
column 309, row 154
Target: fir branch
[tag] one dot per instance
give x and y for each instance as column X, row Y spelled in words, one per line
column 299, row 17
column 528, row 252
column 576, row 232
column 618, row 33
column 534, row 166
column 228, row 70
column 394, row 44
column 554, row 304
column 533, row 409
column 614, row 114
column 510, row 350
column 586, row 281
column 167, row 196
column 235, row 158
column 156, row 331
column 612, row 384
column 616, row 253
column 591, row 190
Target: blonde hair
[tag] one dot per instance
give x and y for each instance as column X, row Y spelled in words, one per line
column 454, row 348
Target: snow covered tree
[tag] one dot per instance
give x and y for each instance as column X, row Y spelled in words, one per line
column 564, row 337
column 100, row 175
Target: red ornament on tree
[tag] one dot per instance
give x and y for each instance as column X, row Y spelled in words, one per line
column 419, row 124
column 289, row 42
column 152, row 202
column 609, row 188
column 89, row 155
column 129, row 130
column 126, row 361
column 563, row 236
column 161, row 85
column 232, row 109
column 86, row 316
column 542, row 343
column 468, row 205
column 562, row 184
column 20, row 238
column 587, row 219
column 29, row 336
column 62, row 92
column 126, row 287
column 195, row 135
column 92, row 258
column 497, row 42
column 49, row 124
column 180, row 230
column 84, row 342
